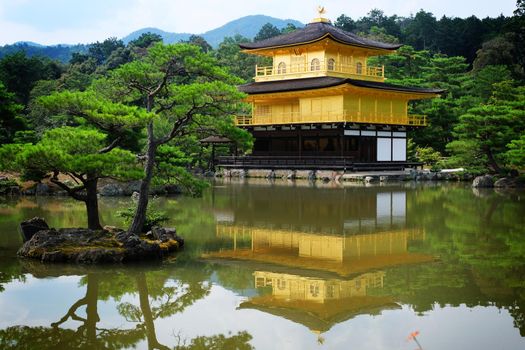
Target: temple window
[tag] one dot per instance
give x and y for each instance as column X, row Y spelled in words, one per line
column 259, row 282
column 297, row 64
column 314, row 290
column 281, row 284
column 262, row 110
column 359, row 68
column 315, row 65
column 331, row 64
column 281, row 68
column 330, row 291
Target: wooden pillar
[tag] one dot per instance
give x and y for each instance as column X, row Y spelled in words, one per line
column 212, row 156
column 300, row 138
column 342, row 143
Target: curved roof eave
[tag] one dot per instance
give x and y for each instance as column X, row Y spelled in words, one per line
column 314, row 32
column 327, row 82
column 328, row 35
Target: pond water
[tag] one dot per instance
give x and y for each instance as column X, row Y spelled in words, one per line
column 284, row 266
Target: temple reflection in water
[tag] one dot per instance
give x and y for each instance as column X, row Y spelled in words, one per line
column 322, row 260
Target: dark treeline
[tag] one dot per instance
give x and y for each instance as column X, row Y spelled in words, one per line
column 451, row 36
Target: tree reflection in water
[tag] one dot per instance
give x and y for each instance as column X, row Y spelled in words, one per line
column 170, row 296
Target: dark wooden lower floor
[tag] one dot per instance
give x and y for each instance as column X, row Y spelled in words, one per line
column 329, row 145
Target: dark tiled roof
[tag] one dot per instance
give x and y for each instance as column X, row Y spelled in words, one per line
column 324, row 82
column 215, row 139
column 316, row 31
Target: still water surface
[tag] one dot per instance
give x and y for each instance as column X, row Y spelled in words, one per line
column 284, row 266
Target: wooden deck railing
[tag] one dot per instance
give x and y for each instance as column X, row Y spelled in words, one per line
column 330, row 117
column 376, row 73
column 310, row 162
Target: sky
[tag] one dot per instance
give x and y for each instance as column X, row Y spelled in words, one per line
column 84, row 21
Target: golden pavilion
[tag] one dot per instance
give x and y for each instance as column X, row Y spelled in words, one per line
column 320, row 105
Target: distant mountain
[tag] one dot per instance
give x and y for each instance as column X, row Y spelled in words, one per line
column 247, row 26
column 60, row 52
column 28, row 43
column 168, row 38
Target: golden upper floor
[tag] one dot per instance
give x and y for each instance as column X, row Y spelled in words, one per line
column 319, row 61
column 319, row 49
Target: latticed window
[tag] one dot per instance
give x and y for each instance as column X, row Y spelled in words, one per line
column 359, row 68
column 281, row 284
column 262, row 110
column 297, row 64
column 331, row 64
column 315, row 64
column 314, row 290
column 281, row 68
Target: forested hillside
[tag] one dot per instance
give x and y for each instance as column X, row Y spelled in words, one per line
column 479, row 123
column 247, row 26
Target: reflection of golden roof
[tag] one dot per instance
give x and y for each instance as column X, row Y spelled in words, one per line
column 320, row 316
column 345, row 268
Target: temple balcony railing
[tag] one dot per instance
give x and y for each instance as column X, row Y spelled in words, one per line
column 343, row 116
column 324, row 68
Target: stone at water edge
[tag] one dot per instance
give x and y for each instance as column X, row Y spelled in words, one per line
column 111, row 190
column 485, row 181
column 369, row 179
column 32, row 226
column 165, row 234
column 510, row 182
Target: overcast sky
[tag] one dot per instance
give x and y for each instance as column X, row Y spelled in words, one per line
column 84, row 21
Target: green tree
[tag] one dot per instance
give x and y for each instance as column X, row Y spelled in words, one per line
column 199, row 41
column 20, row 73
column 145, row 40
column 420, row 33
column 184, row 89
column 101, row 51
column 345, row 23
column 82, row 155
column 497, row 51
column 515, row 156
column 486, row 130
column 79, row 74
column 10, row 119
column 289, row 28
column 484, row 79
column 380, row 34
column 428, row 155
column 267, row 31
column 229, row 56
column 449, row 73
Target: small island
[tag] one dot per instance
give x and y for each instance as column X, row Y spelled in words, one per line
column 85, row 246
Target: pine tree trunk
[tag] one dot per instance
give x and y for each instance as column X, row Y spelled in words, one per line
column 92, row 204
column 142, row 205
column 91, row 309
column 492, row 161
column 151, row 334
